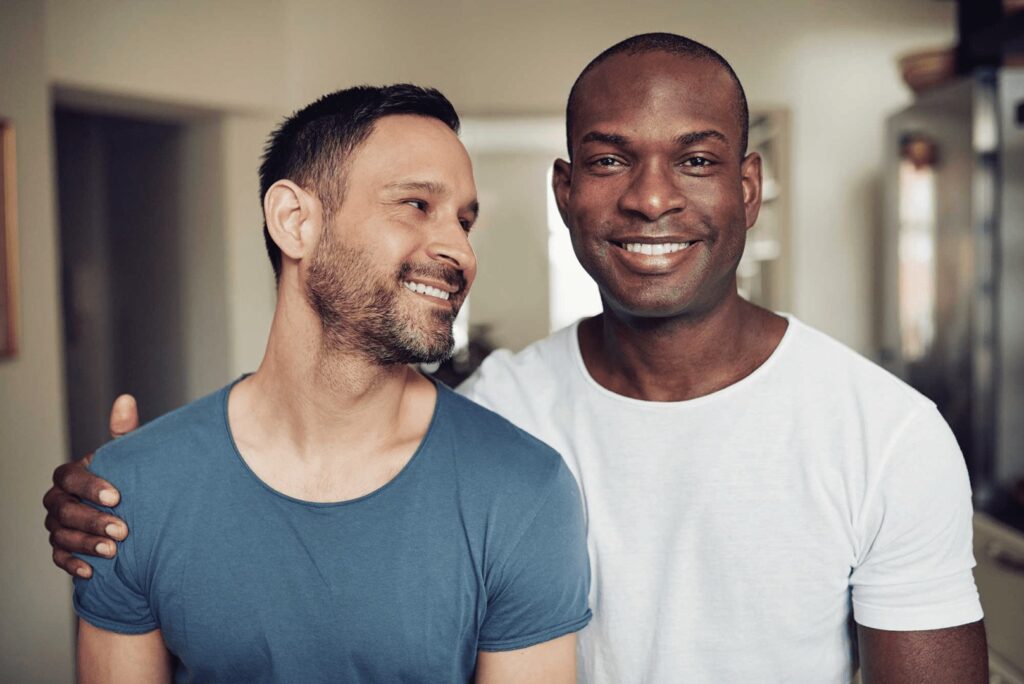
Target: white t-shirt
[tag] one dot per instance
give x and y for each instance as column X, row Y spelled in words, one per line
column 735, row 536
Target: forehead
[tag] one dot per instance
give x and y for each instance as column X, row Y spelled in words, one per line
column 403, row 145
column 656, row 91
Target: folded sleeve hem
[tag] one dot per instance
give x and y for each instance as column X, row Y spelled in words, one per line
column 535, row 638
column 112, row 625
column 953, row 614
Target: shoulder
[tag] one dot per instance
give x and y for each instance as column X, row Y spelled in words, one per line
column 165, row 447
column 848, row 377
column 538, row 363
column 526, row 386
column 495, row 458
column 493, row 440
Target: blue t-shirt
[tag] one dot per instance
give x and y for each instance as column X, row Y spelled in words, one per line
column 477, row 544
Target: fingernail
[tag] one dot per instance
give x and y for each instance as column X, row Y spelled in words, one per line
column 82, row 572
column 113, row 530
column 108, row 497
column 104, row 548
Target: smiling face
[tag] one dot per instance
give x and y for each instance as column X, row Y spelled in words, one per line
column 657, row 198
column 394, row 263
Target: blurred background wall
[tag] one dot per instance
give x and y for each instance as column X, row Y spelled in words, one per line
column 222, row 73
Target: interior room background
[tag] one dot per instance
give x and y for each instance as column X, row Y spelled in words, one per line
column 200, row 84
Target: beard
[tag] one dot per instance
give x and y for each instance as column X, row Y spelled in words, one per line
column 362, row 313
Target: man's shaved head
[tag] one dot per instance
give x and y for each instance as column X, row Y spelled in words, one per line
column 661, row 42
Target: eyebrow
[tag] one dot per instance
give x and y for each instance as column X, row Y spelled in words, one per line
column 700, row 136
column 609, row 138
column 683, row 140
column 427, row 186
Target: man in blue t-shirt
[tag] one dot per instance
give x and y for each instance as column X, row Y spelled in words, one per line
column 336, row 515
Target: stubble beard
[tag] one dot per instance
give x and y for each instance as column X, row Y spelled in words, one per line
column 362, row 313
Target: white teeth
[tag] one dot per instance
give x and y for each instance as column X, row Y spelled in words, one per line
column 420, row 288
column 657, row 249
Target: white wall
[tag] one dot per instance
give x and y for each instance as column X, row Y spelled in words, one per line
column 35, row 601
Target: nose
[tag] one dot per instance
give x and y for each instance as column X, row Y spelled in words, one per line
column 450, row 245
column 653, row 192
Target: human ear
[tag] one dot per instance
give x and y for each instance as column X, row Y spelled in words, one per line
column 561, row 181
column 293, row 218
column 750, row 180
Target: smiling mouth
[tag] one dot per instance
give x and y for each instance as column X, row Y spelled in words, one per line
column 424, row 289
column 653, row 249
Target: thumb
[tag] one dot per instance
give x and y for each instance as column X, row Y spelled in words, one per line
column 124, row 416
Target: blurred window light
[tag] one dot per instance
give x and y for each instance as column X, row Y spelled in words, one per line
column 916, row 248
column 572, row 294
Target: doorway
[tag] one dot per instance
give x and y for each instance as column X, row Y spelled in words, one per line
column 143, row 299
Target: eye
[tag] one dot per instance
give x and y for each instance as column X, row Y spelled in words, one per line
column 698, row 162
column 466, row 224
column 605, row 165
column 606, row 162
column 418, row 204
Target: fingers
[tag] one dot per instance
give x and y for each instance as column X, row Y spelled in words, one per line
column 71, row 565
column 66, row 511
column 74, row 541
column 124, row 416
column 73, row 478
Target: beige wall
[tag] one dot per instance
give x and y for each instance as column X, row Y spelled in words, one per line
column 250, row 280
column 510, row 295
column 226, row 54
column 35, row 608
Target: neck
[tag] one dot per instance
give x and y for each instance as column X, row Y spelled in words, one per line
column 320, row 403
column 680, row 357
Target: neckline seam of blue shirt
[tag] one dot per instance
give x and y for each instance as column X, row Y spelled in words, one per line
column 400, row 475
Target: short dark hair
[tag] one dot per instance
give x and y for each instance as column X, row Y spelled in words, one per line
column 311, row 146
column 662, row 42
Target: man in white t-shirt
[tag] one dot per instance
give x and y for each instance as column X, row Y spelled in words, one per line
column 762, row 502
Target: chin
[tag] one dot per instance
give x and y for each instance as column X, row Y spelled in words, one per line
column 653, row 305
column 650, row 313
column 423, row 345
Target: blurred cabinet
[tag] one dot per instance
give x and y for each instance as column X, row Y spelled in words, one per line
column 999, row 574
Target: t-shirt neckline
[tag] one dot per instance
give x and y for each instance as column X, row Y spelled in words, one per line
column 577, row 356
column 400, row 475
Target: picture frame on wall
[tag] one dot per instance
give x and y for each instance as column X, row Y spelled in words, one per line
column 8, row 243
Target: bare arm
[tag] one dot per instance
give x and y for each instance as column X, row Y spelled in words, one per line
column 957, row 655
column 75, row 527
column 552, row 662
column 110, row 658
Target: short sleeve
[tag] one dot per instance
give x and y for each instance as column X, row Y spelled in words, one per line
column 914, row 569
column 540, row 590
column 113, row 598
